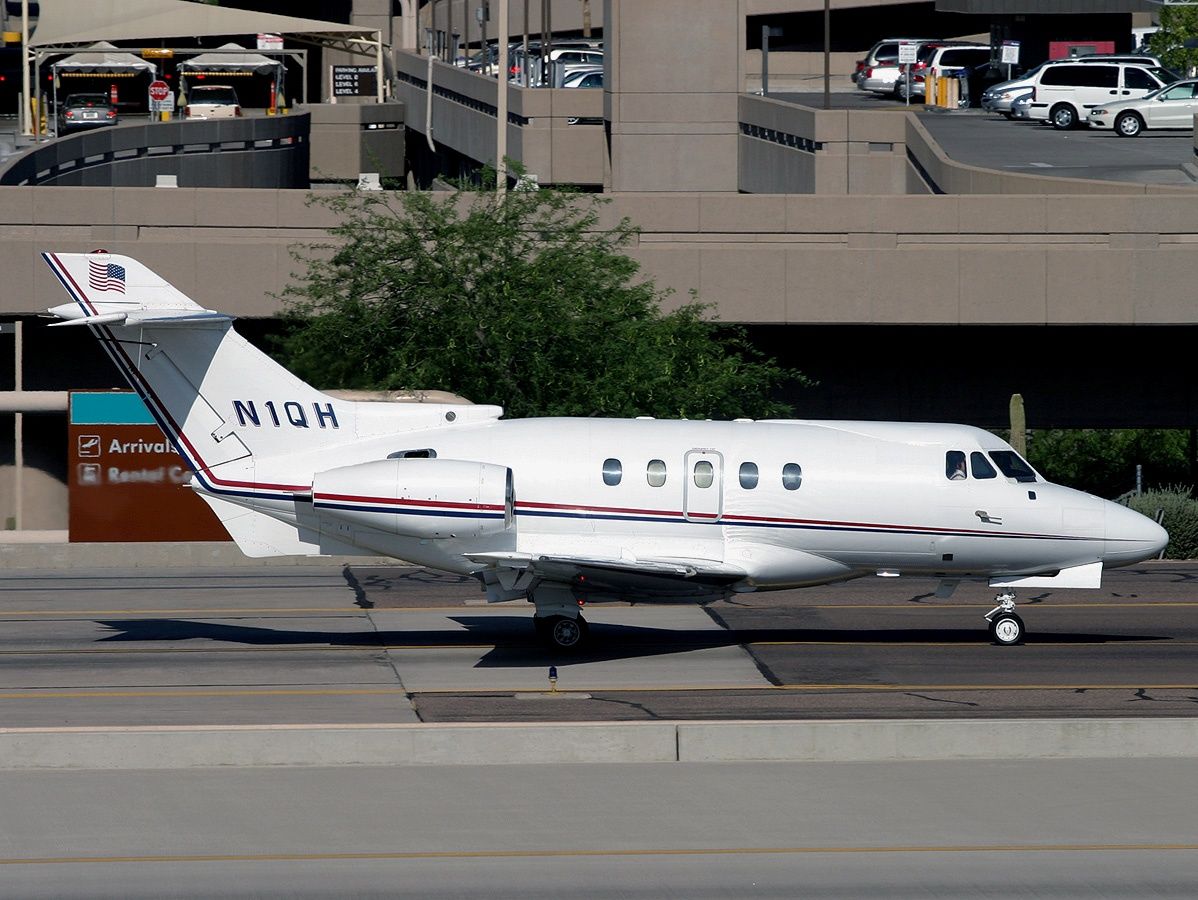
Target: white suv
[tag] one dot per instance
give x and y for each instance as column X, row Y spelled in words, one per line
column 212, row 101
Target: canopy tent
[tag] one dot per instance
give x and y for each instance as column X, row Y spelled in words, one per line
column 234, row 60
column 100, row 60
column 65, row 23
column 103, row 59
column 222, row 62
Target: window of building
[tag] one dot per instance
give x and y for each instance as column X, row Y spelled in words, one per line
column 612, row 472
column 704, row 474
column 655, row 472
column 792, row 476
column 748, row 475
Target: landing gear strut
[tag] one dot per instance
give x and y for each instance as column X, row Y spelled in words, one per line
column 1006, row 628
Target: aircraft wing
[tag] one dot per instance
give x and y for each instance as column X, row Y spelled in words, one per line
column 515, row 573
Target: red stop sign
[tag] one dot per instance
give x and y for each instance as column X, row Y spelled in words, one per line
column 159, row 90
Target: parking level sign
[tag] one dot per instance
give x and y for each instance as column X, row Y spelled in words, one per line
column 908, row 52
column 1010, row 53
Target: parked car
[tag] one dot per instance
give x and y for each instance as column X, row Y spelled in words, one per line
column 212, row 101
column 938, row 59
column 569, row 60
column 999, row 97
column 1063, row 95
column 879, row 71
column 86, row 111
column 1173, row 106
column 584, row 78
column 1020, row 106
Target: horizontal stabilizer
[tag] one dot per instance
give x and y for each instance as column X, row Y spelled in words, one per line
column 108, row 289
column 1087, row 576
column 72, row 314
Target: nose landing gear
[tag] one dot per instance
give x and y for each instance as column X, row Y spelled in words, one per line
column 1006, row 628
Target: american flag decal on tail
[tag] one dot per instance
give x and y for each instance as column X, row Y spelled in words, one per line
column 102, row 276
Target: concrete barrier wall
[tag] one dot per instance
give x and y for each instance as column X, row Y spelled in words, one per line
column 556, row 134
column 249, row 152
column 181, row 747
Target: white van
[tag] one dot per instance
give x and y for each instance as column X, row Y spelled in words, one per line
column 1000, row 97
column 1063, row 94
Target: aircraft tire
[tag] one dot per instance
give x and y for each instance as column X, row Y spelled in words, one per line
column 564, row 633
column 1007, row 630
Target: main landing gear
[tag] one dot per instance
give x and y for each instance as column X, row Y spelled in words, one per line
column 558, row 620
column 1006, row 628
column 562, row 632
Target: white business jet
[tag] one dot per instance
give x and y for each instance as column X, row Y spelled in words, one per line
column 565, row 511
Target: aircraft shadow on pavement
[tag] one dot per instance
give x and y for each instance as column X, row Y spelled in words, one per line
column 513, row 644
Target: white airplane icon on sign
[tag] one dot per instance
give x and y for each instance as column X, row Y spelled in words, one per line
column 89, row 445
column 566, row 512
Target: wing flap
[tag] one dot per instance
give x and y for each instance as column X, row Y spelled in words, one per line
column 508, row 576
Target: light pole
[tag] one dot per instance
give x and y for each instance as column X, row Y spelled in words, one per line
column 501, row 105
column 26, row 125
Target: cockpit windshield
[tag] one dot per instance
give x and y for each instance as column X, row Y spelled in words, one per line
column 1011, row 464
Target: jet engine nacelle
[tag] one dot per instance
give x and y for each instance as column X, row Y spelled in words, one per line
column 421, row 498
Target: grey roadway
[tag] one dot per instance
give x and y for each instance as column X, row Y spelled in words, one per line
column 399, row 645
column 1060, row 829
column 977, row 138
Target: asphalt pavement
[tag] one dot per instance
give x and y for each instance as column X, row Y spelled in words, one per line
column 320, row 645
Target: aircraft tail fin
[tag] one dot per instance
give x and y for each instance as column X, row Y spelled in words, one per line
column 225, row 405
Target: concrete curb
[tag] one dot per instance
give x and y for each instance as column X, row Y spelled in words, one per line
column 182, row 747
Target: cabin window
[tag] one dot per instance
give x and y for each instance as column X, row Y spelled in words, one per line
column 655, row 472
column 792, row 476
column 1012, row 465
column 612, row 472
column 981, row 466
column 748, row 475
column 954, row 465
column 704, row 474
column 425, row 453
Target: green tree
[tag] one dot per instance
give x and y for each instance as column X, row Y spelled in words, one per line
column 528, row 302
column 1103, row 461
column 1178, row 25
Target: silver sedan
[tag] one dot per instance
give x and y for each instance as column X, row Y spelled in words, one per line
column 1172, row 106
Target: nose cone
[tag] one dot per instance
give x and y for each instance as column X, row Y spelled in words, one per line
column 1131, row 537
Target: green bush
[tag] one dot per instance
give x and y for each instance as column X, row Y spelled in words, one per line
column 1180, row 520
